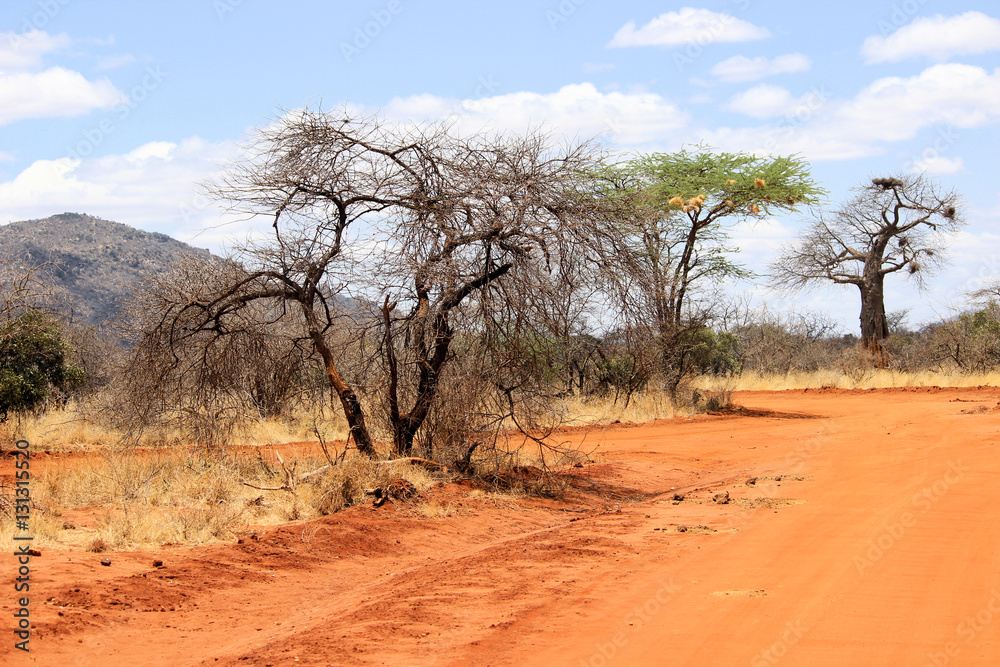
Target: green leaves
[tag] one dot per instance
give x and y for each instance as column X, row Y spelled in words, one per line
column 33, row 362
column 727, row 184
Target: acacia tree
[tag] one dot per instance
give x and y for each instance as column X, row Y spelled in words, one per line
column 670, row 235
column 890, row 225
column 491, row 211
column 204, row 379
column 414, row 218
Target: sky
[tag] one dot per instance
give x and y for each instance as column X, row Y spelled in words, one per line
column 123, row 109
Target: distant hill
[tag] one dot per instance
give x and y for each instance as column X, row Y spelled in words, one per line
column 95, row 262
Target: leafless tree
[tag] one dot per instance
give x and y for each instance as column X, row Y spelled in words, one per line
column 499, row 213
column 890, row 225
column 422, row 224
column 204, row 378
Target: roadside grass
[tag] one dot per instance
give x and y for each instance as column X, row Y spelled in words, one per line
column 79, row 426
column 133, row 500
column 165, row 491
column 641, row 407
column 853, row 379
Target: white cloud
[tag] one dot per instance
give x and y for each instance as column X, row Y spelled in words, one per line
column 576, row 110
column 113, row 62
column 889, row 110
column 21, row 51
column 758, row 240
column 936, row 165
column 761, row 101
column 596, row 68
column 154, row 187
column 741, row 68
column 53, row 92
column 687, row 26
column 936, row 37
column 786, row 137
column 894, row 108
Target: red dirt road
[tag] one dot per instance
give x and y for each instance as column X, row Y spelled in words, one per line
column 871, row 537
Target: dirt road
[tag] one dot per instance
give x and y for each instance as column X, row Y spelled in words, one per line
column 868, row 536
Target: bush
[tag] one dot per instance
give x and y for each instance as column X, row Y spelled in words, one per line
column 34, row 364
column 971, row 341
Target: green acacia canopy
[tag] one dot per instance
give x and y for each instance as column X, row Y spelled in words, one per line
column 705, row 184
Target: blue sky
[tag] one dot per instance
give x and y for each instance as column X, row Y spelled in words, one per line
column 119, row 109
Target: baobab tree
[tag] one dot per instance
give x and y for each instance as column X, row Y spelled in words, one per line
column 890, row 225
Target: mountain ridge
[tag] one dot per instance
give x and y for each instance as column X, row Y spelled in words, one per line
column 94, row 262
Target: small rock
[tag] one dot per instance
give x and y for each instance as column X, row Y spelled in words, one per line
column 106, row 562
column 157, row 563
column 69, row 526
column 678, row 497
column 721, row 498
column 34, row 552
column 682, row 529
column 752, row 481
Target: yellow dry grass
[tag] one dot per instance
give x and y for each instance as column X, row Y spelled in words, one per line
column 641, row 407
column 137, row 500
column 77, row 427
column 864, row 379
column 121, row 497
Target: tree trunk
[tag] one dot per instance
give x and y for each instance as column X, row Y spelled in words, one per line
column 348, row 399
column 874, row 326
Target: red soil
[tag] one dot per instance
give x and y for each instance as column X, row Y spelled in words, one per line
column 870, row 537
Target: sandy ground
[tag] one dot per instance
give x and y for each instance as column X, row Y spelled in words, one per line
column 870, row 537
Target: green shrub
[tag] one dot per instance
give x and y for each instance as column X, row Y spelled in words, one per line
column 34, row 362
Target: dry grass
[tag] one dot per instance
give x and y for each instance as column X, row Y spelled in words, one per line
column 136, row 500
column 78, row 427
column 841, row 380
column 119, row 497
column 641, row 407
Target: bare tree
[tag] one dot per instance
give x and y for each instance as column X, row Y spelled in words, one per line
column 499, row 212
column 890, row 225
column 205, row 378
column 423, row 224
